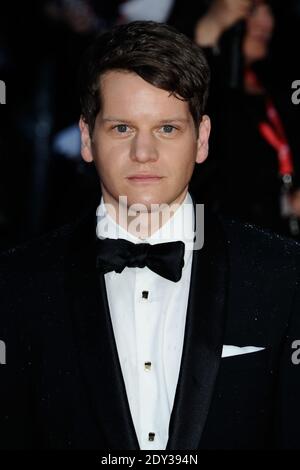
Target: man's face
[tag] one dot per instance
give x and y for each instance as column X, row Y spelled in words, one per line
column 142, row 130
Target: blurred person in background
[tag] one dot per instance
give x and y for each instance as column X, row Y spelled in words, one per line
column 254, row 176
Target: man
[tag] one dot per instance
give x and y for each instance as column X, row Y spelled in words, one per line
column 113, row 345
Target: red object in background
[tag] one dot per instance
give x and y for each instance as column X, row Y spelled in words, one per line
column 273, row 132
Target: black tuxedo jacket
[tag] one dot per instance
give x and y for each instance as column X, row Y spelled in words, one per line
column 62, row 384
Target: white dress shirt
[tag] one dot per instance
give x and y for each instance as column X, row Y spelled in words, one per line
column 148, row 314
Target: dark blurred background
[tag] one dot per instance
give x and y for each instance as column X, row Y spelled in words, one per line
column 253, row 55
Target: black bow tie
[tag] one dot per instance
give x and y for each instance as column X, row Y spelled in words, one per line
column 165, row 259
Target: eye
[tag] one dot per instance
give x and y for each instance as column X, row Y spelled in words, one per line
column 121, row 128
column 168, row 129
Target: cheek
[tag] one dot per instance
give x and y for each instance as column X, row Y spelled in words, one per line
column 110, row 156
column 186, row 150
column 183, row 159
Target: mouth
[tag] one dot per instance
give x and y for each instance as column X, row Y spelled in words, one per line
column 144, row 178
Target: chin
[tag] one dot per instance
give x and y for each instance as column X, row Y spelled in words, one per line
column 147, row 201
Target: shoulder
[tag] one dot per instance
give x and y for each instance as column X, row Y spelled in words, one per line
column 47, row 251
column 33, row 274
column 36, row 250
column 257, row 237
column 260, row 249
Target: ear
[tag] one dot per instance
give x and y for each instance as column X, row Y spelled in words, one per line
column 203, row 138
column 86, row 151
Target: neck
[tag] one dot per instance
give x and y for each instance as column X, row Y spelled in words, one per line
column 142, row 224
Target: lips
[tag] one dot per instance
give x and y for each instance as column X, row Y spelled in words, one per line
column 144, row 178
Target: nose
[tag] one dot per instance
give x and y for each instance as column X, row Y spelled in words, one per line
column 143, row 148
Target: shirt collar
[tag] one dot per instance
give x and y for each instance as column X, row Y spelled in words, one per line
column 180, row 227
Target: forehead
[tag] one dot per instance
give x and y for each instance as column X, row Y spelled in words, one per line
column 123, row 91
column 260, row 9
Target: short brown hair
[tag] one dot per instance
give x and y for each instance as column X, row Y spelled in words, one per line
column 156, row 52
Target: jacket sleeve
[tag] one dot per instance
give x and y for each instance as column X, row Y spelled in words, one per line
column 289, row 380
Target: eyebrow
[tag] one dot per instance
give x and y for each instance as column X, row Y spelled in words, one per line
column 163, row 121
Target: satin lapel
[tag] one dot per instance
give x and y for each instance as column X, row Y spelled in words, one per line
column 202, row 347
column 93, row 332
